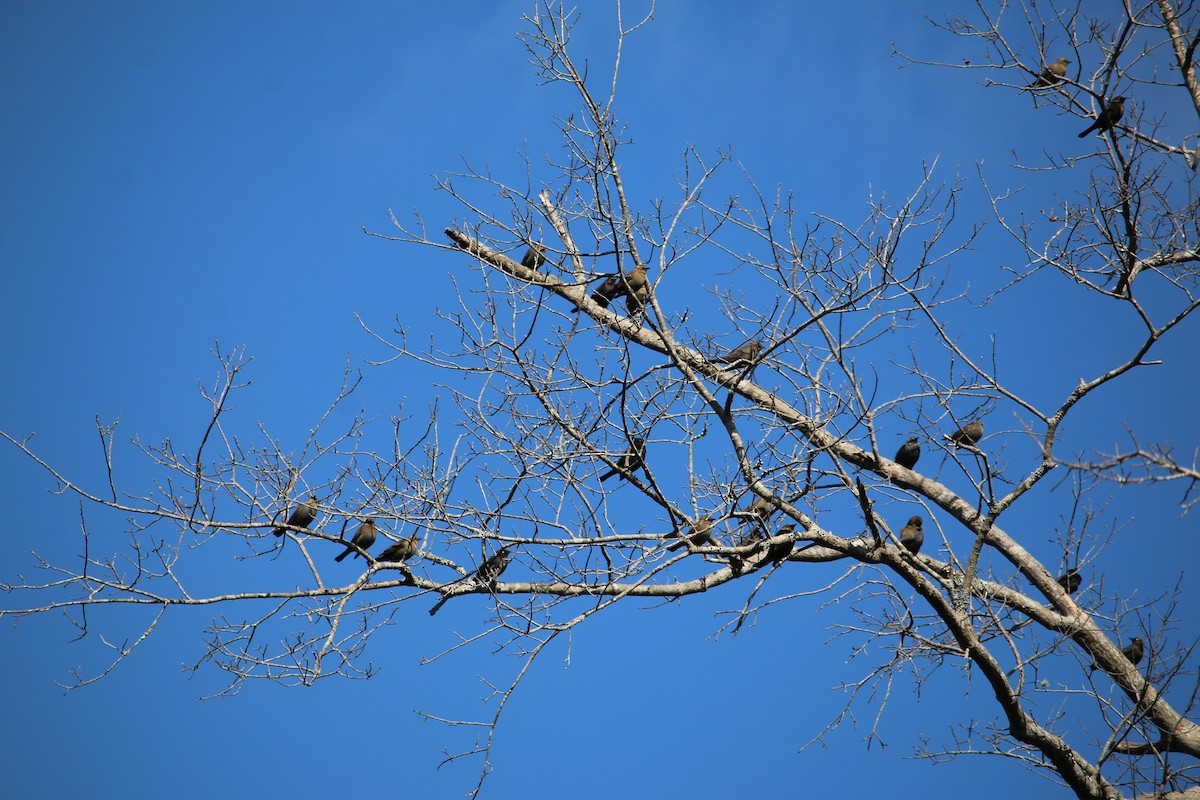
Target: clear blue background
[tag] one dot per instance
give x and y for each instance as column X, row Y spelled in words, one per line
column 178, row 173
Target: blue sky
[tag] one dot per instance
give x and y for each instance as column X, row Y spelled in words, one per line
column 180, row 174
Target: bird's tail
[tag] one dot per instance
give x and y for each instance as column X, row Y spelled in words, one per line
column 609, row 474
column 348, row 551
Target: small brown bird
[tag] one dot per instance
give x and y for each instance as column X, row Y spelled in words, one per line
column 1051, row 74
column 968, row 434
column 535, row 256
column 364, row 537
column 486, row 574
column 760, row 508
column 908, row 453
column 912, row 535
column 742, row 354
column 401, row 551
column 302, row 516
column 632, row 460
column 635, row 301
column 1070, row 581
column 1133, row 652
column 697, row 535
column 1110, row 116
column 616, row 285
column 738, row 562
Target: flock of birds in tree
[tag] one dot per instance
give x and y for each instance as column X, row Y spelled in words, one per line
column 634, row 286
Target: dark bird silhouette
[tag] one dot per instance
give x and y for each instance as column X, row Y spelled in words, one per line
column 1133, row 652
column 743, row 354
column 968, row 434
column 779, row 551
column 1070, row 581
column 632, row 460
column 1110, row 116
column 1051, row 74
column 912, row 535
column 737, row 562
column 616, row 285
column 302, row 516
column 535, row 256
column 697, row 535
column 364, row 537
column 485, row 575
column 908, row 453
column 401, row 551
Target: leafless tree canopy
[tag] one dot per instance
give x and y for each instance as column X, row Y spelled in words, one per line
column 553, row 379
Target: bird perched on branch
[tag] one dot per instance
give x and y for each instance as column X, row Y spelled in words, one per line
column 912, row 535
column 760, row 508
column 401, row 551
column 779, row 551
column 968, row 434
column 364, row 537
column 302, row 516
column 1070, row 581
column 1051, row 74
column 1133, row 652
column 697, row 535
column 742, row 355
column 635, row 301
column 485, row 575
column 621, row 284
column 908, row 453
column 535, row 256
column 1110, row 116
column 632, row 460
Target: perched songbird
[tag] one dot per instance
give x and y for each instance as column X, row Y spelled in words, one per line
column 779, row 552
column 908, row 453
column 364, row 537
column 1052, row 74
column 616, row 285
column 1110, row 116
column 742, row 354
column 755, row 537
column 635, row 301
column 535, row 256
column 760, row 508
column 968, row 434
column 632, row 460
column 1134, row 652
column 697, row 535
column 912, row 535
column 1070, row 581
column 485, row 575
column 401, row 551
column 302, row 516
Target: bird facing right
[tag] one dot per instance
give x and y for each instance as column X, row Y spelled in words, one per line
column 1133, row 652
column 364, row 537
column 302, row 517
column 401, row 551
column 1051, row 74
column 631, row 460
column 969, row 434
column 697, row 535
column 1110, row 116
column 743, row 354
